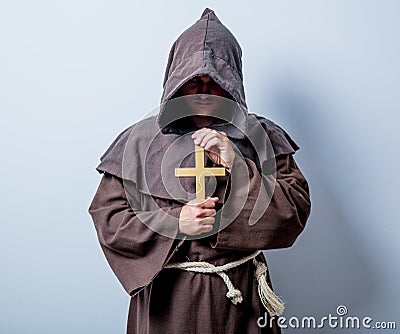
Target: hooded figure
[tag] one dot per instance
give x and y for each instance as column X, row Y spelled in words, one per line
column 172, row 271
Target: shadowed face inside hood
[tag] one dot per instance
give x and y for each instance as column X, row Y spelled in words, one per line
column 204, row 97
column 205, row 68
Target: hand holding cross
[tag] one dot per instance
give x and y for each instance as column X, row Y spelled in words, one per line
column 197, row 216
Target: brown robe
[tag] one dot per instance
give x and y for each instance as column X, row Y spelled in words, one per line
column 136, row 218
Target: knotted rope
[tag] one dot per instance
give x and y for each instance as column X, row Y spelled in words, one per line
column 269, row 299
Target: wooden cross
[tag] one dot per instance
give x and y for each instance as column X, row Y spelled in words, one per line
column 200, row 172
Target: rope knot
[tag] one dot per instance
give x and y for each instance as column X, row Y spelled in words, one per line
column 235, row 296
column 261, row 269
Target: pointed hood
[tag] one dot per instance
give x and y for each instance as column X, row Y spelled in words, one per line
column 142, row 153
column 206, row 48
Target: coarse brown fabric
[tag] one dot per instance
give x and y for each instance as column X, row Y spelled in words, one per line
column 136, row 215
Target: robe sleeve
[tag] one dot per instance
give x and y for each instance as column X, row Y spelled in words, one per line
column 135, row 252
column 284, row 218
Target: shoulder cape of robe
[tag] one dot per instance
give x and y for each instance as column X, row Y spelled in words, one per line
column 137, row 254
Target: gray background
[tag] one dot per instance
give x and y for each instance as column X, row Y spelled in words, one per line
column 73, row 74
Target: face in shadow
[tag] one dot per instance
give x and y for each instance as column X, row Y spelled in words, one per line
column 203, row 96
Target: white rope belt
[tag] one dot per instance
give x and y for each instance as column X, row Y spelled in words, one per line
column 269, row 299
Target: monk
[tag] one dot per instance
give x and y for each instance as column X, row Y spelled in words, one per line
column 189, row 252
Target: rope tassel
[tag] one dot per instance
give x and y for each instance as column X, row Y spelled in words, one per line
column 269, row 299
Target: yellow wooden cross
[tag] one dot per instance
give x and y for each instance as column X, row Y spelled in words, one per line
column 200, row 172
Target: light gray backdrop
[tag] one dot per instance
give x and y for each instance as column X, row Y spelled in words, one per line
column 73, row 74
